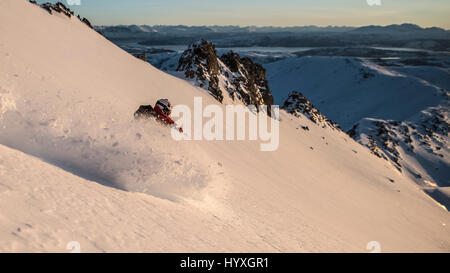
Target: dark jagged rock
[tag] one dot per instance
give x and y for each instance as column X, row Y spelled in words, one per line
column 58, row 7
column 251, row 76
column 383, row 138
column 241, row 78
column 87, row 22
column 296, row 104
column 61, row 8
column 200, row 62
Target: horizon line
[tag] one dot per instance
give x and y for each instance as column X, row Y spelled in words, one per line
column 277, row 26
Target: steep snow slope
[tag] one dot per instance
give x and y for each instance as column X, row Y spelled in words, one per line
column 75, row 166
column 43, row 208
column 418, row 147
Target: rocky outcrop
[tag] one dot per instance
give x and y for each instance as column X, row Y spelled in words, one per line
column 389, row 139
column 297, row 105
column 61, row 8
column 248, row 80
column 85, row 21
column 58, row 7
column 382, row 138
column 230, row 75
column 200, row 62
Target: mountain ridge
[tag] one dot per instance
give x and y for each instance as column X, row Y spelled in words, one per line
column 309, row 28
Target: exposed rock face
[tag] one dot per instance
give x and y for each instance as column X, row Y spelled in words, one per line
column 86, row 21
column 58, row 7
column 230, row 75
column 425, row 137
column 61, row 8
column 200, row 62
column 248, row 80
column 296, row 104
column 383, row 138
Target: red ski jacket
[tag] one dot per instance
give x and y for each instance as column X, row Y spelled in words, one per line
column 163, row 117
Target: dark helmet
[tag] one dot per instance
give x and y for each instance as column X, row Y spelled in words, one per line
column 165, row 106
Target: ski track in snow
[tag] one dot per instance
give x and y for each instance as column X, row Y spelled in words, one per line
column 107, row 156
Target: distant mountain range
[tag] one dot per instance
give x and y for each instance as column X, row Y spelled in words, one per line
column 400, row 28
column 266, row 29
column 404, row 35
column 219, row 29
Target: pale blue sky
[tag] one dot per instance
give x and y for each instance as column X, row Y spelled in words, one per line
column 265, row 12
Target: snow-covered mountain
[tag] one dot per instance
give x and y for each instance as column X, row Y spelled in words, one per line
column 418, row 146
column 183, row 30
column 403, row 30
column 76, row 166
column 400, row 113
column 349, row 89
column 125, row 30
column 405, row 35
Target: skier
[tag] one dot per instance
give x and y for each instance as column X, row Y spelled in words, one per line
column 161, row 111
